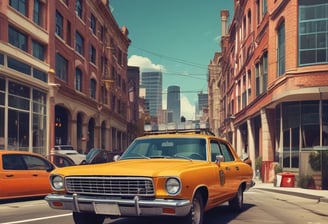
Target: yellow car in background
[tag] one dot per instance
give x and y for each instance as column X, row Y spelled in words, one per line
column 172, row 174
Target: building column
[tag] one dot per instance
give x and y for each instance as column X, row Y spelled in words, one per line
column 251, row 143
column 239, row 143
column 267, row 121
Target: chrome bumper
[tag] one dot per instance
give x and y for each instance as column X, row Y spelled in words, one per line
column 119, row 207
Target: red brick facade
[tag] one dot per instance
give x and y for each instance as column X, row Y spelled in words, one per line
column 255, row 98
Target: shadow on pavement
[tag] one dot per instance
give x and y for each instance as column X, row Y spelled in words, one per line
column 219, row 215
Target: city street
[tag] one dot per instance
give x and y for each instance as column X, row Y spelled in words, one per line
column 260, row 207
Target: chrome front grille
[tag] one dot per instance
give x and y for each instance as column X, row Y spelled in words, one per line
column 114, row 186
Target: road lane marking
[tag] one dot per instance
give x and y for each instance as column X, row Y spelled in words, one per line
column 37, row 219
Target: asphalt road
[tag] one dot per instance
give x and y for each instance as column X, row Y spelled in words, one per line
column 260, row 207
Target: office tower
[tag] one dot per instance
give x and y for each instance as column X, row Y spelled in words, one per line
column 202, row 102
column 152, row 82
column 173, row 102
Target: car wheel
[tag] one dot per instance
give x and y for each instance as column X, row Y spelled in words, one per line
column 87, row 218
column 197, row 211
column 237, row 203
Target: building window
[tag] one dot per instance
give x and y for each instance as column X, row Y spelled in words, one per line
column 61, row 67
column 93, row 23
column 93, row 54
column 264, row 7
column 78, row 79
column 257, row 79
column 19, row 5
column 249, row 18
column 244, row 93
column 17, row 39
column 19, row 66
column 79, row 8
column 261, row 74
column 93, row 88
column 264, row 62
column 59, row 24
column 313, row 32
column 258, row 11
column 68, row 34
column 281, row 49
column 43, row 76
column 38, row 50
column 249, row 85
column 79, row 43
column 2, row 60
column 37, row 12
column 102, row 33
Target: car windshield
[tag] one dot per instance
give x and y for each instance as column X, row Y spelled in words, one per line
column 183, row 148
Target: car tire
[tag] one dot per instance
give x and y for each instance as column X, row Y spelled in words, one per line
column 196, row 214
column 237, row 203
column 87, row 218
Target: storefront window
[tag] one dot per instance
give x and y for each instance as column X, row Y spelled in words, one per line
column 310, row 124
column 39, row 122
column 25, row 125
column 325, row 123
column 2, row 113
column 291, row 119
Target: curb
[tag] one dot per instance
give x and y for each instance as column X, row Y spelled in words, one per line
column 323, row 199
column 298, row 194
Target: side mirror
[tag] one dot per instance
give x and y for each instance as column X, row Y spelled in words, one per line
column 116, row 158
column 219, row 159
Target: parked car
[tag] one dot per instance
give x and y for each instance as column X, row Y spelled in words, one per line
column 100, row 156
column 68, row 150
column 60, row 160
column 24, row 174
column 176, row 174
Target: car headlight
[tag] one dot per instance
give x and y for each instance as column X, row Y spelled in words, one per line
column 173, row 186
column 57, row 182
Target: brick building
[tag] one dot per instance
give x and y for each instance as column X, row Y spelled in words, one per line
column 273, row 86
column 63, row 75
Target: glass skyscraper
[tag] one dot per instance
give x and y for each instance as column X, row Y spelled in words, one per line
column 173, row 103
column 152, row 82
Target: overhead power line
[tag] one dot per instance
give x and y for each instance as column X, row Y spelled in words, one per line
column 177, row 60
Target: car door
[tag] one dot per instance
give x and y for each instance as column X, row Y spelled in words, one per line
column 13, row 176
column 232, row 168
column 37, row 174
column 219, row 192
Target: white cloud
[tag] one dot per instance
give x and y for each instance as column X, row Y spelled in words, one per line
column 187, row 108
column 145, row 64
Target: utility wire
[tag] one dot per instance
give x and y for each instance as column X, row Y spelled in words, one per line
column 181, row 61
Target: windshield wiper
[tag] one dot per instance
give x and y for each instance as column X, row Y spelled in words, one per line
column 182, row 157
column 136, row 156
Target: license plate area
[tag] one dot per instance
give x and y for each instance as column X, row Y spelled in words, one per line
column 106, row 208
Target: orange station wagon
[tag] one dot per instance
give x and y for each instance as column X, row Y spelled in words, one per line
column 174, row 174
column 24, row 174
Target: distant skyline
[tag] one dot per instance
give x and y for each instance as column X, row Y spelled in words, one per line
column 176, row 37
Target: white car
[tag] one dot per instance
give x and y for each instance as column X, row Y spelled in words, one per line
column 69, row 151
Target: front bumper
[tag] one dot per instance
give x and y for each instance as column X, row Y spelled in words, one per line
column 119, row 207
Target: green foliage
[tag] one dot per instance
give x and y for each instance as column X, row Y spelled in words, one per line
column 258, row 164
column 277, row 168
column 314, row 160
column 306, row 181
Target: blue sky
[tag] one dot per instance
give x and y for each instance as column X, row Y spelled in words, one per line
column 177, row 37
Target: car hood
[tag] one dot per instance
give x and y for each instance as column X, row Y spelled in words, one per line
column 139, row 167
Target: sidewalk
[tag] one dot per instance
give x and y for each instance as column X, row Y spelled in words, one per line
column 320, row 195
column 319, row 205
